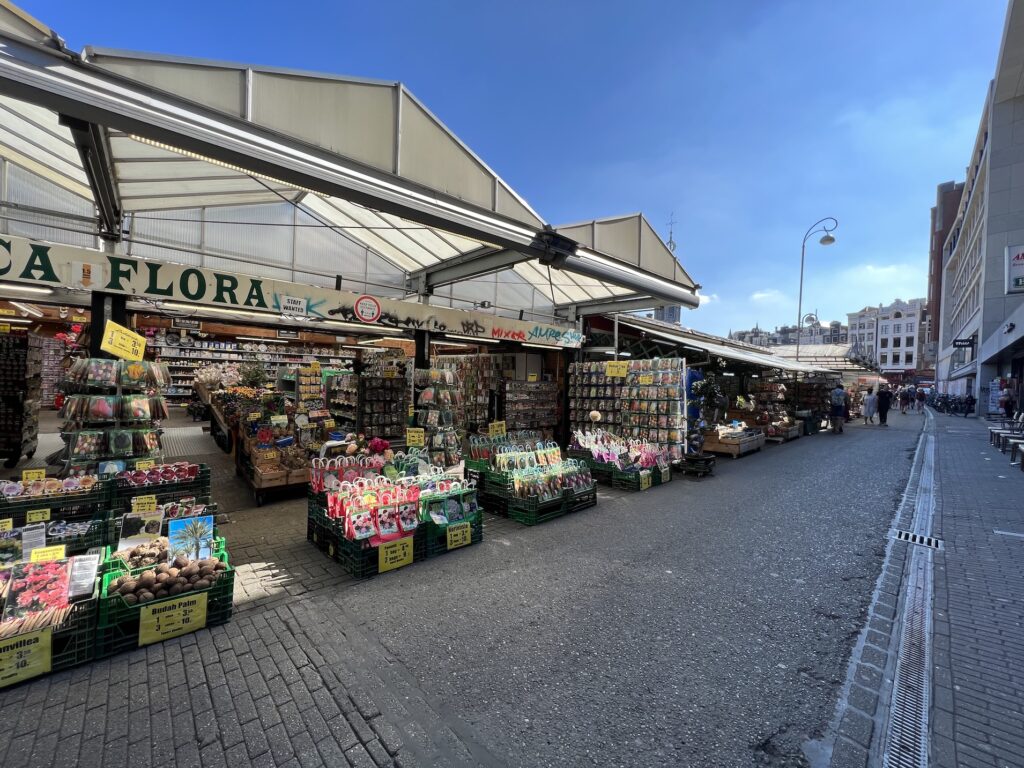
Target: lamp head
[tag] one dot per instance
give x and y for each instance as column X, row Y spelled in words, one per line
column 827, row 239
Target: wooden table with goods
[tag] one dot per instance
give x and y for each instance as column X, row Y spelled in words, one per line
column 733, row 446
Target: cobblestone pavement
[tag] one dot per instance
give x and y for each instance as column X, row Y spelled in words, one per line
column 700, row 623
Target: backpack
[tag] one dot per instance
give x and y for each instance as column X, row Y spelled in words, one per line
column 838, row 397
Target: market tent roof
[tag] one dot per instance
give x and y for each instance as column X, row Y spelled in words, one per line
column 837, row 357
column 719, row 346
column 148, row 133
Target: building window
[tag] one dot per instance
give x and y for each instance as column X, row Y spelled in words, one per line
column 896, row 328
column 884, row 359
column 871, row 337
column 861, row 325
column 896, row 358
column 896, row 341
column 908, row 358
column 884, row 343
column 885, row 328
column 909, row 342
column 910, row 327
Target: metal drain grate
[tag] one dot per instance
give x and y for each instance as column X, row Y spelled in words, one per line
column 907, row 742
column 916, row 538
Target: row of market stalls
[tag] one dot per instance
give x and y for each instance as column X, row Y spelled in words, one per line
column 369, row 316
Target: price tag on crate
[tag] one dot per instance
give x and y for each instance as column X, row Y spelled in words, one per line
column 460, row 535
column 646, row 379
column 37, row 516
column 79, row 319
column 25, row 656
column 172, row 618
column 145, row 464
column 6, row 524
column 394, row 554
column 5, row 327
column 144, row 503
column 645, row 480
column 28, row 475
column 328, row 424
column 616, row 368
column 666, row 475
column 497, row 428
column 46, row 554
column 414, row 437
column 532, row 377
column 254, row 416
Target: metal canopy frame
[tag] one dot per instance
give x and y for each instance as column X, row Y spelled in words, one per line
column 128, row 140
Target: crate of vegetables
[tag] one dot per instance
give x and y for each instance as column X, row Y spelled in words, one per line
column 73, row 498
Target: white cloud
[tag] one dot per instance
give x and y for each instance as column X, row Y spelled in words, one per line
column 708, row 298
column 768, row 296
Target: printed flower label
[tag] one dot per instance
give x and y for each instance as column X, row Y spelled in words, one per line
column 37, row 516
column 46, row 554
column 394, row 554
column 25, row 656
column 172, row 618
column 459, row 535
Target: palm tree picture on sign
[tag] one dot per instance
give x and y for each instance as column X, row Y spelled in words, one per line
column 191, row 537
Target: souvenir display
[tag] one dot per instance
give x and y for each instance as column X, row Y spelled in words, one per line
column 53, row 351
column 625, row 455
column 384, row 390
column 21, row 360
column 532, row 405
column 481, row 378
column 651, row 404
column 482, row 447
column 438, row 397
column 342, row 391
column 592, row 391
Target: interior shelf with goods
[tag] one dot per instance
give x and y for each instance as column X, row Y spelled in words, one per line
column 592, row 390
column 384, row 394
column 52, row 370
column 342, row 394
column 112, row 413
column 21, row 360
column 481, row 378
column 531, row 405
column 438, row 399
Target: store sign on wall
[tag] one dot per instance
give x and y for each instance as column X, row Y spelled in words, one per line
column 186, row 324
column 1015, row 269
column 285, row 333
column 22, row 260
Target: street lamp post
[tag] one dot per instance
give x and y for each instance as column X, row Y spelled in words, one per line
column 827, row 226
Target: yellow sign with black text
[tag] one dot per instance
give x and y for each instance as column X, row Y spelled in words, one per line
column 646, row 379
column 6, row 524
column 37, row 516
column 414, row 437
column 122, row 342
column 173, row 618
column 645, row 480
column 497, row 428
column 25, row 656
column 145, row 464
column 616, row 369
column 5, row 327
column 394, row 554
column 28, row 475
column 144, row 503
column 46, row 554
column 459, row 535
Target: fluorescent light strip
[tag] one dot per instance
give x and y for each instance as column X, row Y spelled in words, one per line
column 621, row 354
column 540, row 346
column 24, row 288
column 449, row 344
column 257, row 338
column 383, row 338
column 27, row 308
column 19, row 320
column 217, row 310
column 472, row 338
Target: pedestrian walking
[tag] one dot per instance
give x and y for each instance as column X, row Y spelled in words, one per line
column 969, row 402
column 847, row 402
column 884, row 403
column 869, row 406
column 904, row 399
column 838, row 412
column 920, row 401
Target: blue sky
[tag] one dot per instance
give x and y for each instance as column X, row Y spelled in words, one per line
column 747, row 119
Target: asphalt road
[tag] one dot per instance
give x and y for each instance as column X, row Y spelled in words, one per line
column 700, row 623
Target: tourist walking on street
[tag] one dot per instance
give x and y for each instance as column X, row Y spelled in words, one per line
column 904, row 399
column 838, row 413
column 920, row 400
column 969, row 402
column 869, row 406
column 884, row 402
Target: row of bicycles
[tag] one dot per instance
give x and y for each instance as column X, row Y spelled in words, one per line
column 952, row 405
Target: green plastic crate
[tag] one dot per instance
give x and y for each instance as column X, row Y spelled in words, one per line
column 361, row 560
column 124, row 636
column 436, row 536
column 122, row 492
column 81, row 505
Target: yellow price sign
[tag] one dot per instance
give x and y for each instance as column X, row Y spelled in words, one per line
column 25, row 656
column 46, row 554
column 531, row 377
column 459, row 535
column 646, row 379
column 6, row 525
column 254, row 416
column 7, row 312
column 394, row 554
column 122, row 342
column 666, row 475
column 328, row 423
column 5, row 327
column 79, row 319
column 645, row 480
column 496, row 428
column 172, row 618
column 415, row 437
column 37, row 516
column 616, row 368
column 144, row 503
column 390, row 373
column 145, row 464
column 28, row 475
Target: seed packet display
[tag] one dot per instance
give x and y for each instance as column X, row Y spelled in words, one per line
column 388, row 527
column 133, row 374
column 101, row 373
column 36, row 587
column 88, row 443
column 136, row 408
column 119, row 442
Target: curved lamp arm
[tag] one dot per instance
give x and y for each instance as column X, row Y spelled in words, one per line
column 825, row 228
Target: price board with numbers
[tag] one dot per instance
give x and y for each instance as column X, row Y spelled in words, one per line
column 172, row 618
column 460, row 535
column 646, row 379
column 46, row 554
column 645, row 480
column 122, row 342
column 144, row 503
column 497, row 428
column 414, row 437
column 145, row 464
column 394, row 554
column 25, row 656
column 616, row 368
column 28, row 475
column 37, row 516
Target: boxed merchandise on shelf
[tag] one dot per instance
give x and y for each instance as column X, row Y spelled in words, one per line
column 593, row 392
column 480, row 377
column 384, row 394
column 52, row 371
column 21, row 360
column 438, row 399
column 531, row 405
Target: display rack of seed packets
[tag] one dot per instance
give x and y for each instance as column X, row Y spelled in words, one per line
column 651, row 404
column 112, row 415
column 48, row 620
column 384, row 388
column 342, row 391
column 38, row 512
column 374, row 525
column 438, row 398
column 594, row 390
column 21, row 356
column 630, row 464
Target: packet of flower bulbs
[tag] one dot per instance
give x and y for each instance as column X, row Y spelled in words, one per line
column 386, row 517
column 408, row 509
column 359, row 523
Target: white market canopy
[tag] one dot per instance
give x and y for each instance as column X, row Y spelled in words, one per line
column 159, row 145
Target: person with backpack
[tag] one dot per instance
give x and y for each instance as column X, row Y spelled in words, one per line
column 838, row 413
column 884, row 402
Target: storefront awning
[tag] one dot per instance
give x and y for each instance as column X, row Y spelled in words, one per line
column 142, row 133
column 694, row 341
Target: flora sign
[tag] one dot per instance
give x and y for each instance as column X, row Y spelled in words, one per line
column 65, row 266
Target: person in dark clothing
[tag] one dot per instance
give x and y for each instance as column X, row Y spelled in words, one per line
column 884, row 401
column 969, row 402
